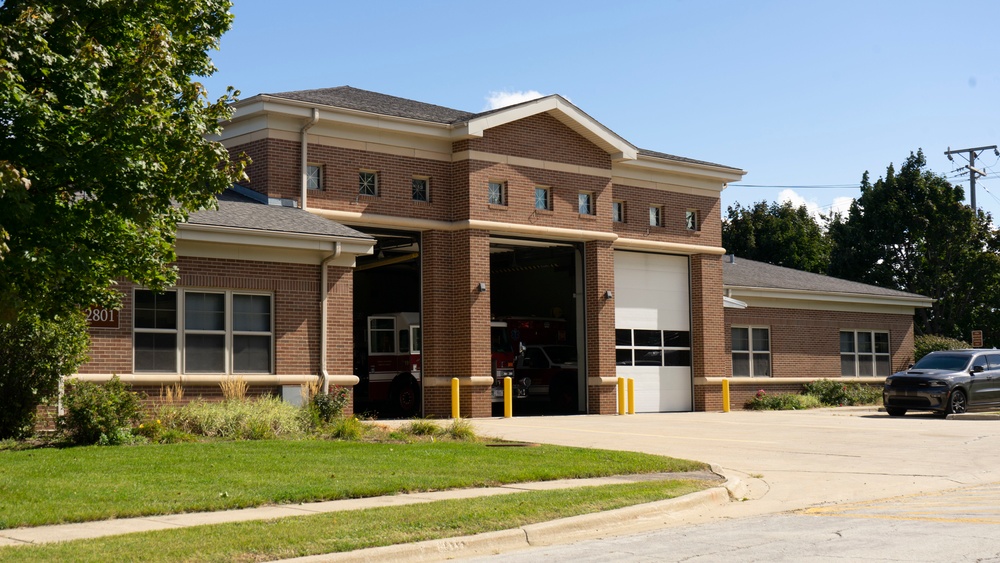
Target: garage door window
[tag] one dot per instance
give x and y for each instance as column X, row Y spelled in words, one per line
column 864, row 353
column 751, row 351
column 656, row 348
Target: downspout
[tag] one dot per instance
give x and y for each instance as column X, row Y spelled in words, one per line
column 324, row 298
column 305, row 157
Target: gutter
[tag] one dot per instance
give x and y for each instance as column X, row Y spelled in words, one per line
column 305, row 155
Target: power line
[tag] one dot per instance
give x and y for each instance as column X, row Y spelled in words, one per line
column 799, row 186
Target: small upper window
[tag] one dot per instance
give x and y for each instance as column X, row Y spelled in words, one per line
column 655, row 216
column 367, row 183
column 691, row 220
column 497, row 193
column 314, row 177
column 618, row 211
column 543, row 198
column 586, row 200
column 420, row 189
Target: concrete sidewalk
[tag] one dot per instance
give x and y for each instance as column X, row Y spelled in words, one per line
column 85, row 530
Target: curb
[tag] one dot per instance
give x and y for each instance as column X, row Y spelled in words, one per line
column 622, row 521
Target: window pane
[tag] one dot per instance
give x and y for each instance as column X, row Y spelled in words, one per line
column 676, row 339
column 367, row 183
column 252, row 313
column 864, row 343
column 616, row 211
column 404, row 341
column 647, row 338
column 155, row 352
column 882, row 366
column 866, row 367
column 762, row 365
column 383, row 324
column 584, row 201
column 496, row 193
column 649, row 357
column 417, row 339
column 847, row 365
column 204, row 311
column 419, row 189
column 741, row 364
column 383, row 342
column 847, row 343
column 654, row 216
column 251, row 354
column 680, row 358
column 541, row 198
column 741, row 340
column 881, row 343
column 205, row 353
column 623, row 337
column 623, row 357
column 760, row 341
column 155, row 310
column 314, row 177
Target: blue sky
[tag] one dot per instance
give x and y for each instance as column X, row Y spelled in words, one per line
column 799, row 94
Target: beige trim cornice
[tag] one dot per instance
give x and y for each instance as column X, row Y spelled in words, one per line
column 666, row 247
column 472, row 381
column 602, row 381
column 767, row 381
column 210, row 379
column 804, row 299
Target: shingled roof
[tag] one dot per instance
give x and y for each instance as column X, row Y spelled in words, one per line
column 383, row 104
column 743, row 273
column 247, row 212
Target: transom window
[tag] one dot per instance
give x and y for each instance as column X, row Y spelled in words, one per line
column 618, row 211
column 221, row 332
column 586, row 203
column 543, row 198
column 659, row 348
column 497, row 194
column 691, row 220
column 420, row 189
column 367, row 183
column 751, row 351
column 655, row 216
column 864, row 353
column 314, row 177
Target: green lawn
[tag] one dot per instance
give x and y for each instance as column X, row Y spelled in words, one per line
column 344, row 531
column 50, row 486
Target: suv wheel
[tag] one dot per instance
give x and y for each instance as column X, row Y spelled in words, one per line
column 895, row 411
column 957, row 403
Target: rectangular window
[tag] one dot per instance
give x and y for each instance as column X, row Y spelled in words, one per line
column 618, row 211
column 382, row 335
column 221, row 332
column 314, row 177
column 420, row 188
column 655, row 219
column 543, row 199
column 497, row 193
column 367, row 183
column 691, row 220
column 655, row 348
column 864, row 353
column 751, row 351
column 586, row 203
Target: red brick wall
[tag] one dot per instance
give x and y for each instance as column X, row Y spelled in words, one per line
column 540, row 137
column 806, row 343
column 599, row 269
column 708, row 353
column 673, row 206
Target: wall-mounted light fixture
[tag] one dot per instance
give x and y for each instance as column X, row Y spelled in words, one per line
column 482, row 287
column 608, row 294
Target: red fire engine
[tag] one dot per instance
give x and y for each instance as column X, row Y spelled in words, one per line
column 393, row 362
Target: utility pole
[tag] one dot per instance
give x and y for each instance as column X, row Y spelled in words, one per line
column 973, row 172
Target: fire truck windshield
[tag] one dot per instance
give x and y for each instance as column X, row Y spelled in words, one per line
column 498, row 338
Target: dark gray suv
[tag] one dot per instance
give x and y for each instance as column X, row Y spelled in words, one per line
column 946, row 382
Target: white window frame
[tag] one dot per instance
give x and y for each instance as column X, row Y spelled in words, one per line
column 363, row 184
column 314, row 177
column 750, row 352
column 585, row 203
column 618, row 211
column 655, row 216
column 427, row 188
column 546, row 192
column 691, row 220
column 663, row 348
column 856, row 354
column 496, row 188
column 180, row 364
column 392, row 332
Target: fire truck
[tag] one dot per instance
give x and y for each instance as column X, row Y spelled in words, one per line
column 390, row 369
column 502, row 358
column 509, row 338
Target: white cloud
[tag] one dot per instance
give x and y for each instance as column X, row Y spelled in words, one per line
column 840, row 204
column 497, row 100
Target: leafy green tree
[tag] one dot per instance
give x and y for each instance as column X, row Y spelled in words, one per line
column 103, row 144
column 911, row 231
column 777, row 233
column 103, row 150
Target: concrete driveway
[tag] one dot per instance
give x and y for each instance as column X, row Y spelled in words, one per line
column 792, row 459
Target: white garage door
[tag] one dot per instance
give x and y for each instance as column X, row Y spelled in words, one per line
column 653, row 329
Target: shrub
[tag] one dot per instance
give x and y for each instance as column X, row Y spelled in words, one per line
column 833, row 393
column 420, row 427
column 347, row 428
column 234, row 388
column 761, row 401
column 100, row 413
column 927, row 343
column 326, row 407
column 461, row 430
column 257, row 419
column 34, row 354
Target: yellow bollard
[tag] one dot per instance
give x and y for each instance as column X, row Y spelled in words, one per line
column 725, row 395
column 621, row 395
column 454, row 397
column 631, row 396
column 508, row 399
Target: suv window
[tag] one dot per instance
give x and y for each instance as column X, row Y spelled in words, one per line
column 994, row 360
column 950, row 362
